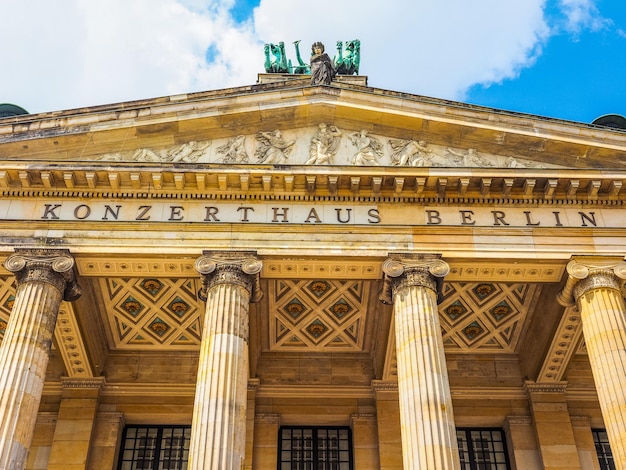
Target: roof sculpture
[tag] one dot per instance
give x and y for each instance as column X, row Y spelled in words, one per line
column 322, row 69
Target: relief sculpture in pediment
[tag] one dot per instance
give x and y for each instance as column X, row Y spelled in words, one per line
column 324, row 145
column 188, row 152
column 234, row 151
column 369, row 149
column 273, row 148
column 410, row 153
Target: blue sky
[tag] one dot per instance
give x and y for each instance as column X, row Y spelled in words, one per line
column 555, row 58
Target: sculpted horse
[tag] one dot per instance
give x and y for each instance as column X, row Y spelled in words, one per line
column 347, row 59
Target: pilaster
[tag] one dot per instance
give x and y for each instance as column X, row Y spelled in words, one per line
column 553, row 427
column 44, row 279
column 71, row 443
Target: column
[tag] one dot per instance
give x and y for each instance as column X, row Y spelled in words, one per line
column 553, row 427
column 72, row 441
column 594, row 284
column 44, row 278
column 413, row 284
column 218, row 429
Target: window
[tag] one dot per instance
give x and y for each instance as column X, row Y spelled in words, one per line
column 155, row 448
column 482, row 449
column 315, row 448
column 603, row 449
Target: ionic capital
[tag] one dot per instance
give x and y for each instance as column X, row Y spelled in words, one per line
column 240, row 268
column 404, row 270
column 589, row 273
column 54, row 267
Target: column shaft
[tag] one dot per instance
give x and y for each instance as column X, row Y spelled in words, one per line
column 220, row 405
column 604, row 328
column 428, row 431
column 426, row 418
column 23, row 362
column 218, row 429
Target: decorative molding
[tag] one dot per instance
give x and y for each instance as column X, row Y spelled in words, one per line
column 553, row 387
column 127, row 267
column 83, row 383
column 70, row 344
column 564, row 345
column 314, row 391
column 384, row 386
column 367, row 417
column 517, row 421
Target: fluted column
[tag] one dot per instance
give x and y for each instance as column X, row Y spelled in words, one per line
column 413, row 283
column 218, row 430
column 595, row 285
column 44, row 278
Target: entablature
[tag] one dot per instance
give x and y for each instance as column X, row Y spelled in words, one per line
column 305, row 183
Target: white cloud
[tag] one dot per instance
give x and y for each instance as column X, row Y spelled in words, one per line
column 88, row 53
column 581, row 14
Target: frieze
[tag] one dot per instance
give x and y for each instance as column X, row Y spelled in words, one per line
column 324, row 145
column 314, row 213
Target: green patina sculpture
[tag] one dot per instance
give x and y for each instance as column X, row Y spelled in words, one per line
column 345, row 62
column 275, row 58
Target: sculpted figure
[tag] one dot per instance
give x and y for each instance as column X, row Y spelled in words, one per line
column 301, row 67
column 148, row 155
column 273, row 148
column 471, row 158
column 189, row 152
column 322, row 70
column 347, row 60
column 275, row 58
column 369, row 149
column 410, row 153
column 514, row 163
column 234, row 151
column 324, row 145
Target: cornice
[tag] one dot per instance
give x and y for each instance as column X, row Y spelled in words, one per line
column 111, row 180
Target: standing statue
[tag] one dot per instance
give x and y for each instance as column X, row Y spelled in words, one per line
column 322, row 70
column 347, row 60
column 324, row 145
column 273, row 148
column 369, row 149
column 276, row 58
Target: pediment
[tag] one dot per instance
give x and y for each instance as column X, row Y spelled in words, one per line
column 226, row 127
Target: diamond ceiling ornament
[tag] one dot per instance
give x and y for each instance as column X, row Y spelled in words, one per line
column 151, row 286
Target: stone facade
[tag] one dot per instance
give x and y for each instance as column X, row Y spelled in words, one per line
column 281, row 255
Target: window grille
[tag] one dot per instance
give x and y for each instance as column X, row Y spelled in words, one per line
column 155, row 448
column 603, row 449
column 482, row 449
column 315, row 448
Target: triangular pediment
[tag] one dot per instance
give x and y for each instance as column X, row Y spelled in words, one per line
column 374, row 128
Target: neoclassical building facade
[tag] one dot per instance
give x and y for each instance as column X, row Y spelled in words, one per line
column 296, row 276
